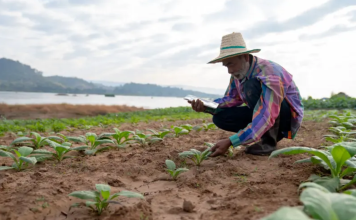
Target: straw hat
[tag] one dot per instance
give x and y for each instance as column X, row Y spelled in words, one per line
column 232, row 45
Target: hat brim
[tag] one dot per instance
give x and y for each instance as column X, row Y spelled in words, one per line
column 219, row 59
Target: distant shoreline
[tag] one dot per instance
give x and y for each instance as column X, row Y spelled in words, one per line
column 42, row 111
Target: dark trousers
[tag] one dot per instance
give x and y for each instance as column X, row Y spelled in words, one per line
column 236, row 118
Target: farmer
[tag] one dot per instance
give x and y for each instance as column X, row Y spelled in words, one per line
column 262, row 103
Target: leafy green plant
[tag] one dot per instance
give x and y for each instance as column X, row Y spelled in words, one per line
column 171, row 169
column 196, row 156
column 5, row 148
column 121, row 137
column 93, row 142
column 319, row 204
column 337, row 157
column 230, row 151
column 341, row 134
column 145, row 139
column 21, row 159
column 37, row 140
column 178, row 131
column 101, row 198
column 60, row 150
column 205, row 127
column 159, row 134
column 188, row 127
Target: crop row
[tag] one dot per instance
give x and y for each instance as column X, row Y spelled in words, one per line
column 335, row 102
column 327, row 197
column 86, row 123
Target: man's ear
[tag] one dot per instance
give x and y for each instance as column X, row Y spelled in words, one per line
column 246, row 57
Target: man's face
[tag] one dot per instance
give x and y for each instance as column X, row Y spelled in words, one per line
column 237, row 66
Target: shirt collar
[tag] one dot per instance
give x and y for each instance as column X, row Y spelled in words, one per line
column 250, row 71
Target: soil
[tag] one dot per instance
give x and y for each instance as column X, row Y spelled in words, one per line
column 38, row 111
column 240, row 187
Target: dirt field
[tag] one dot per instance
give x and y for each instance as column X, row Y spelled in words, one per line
column 243, row 187
column 59, row 110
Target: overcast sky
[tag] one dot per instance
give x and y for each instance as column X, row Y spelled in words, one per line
column 169, row 42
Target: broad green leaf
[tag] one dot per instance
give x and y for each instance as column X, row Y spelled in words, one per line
column 76, row 139
column 186, row 154
column 131, row 194
column 18, row 154
column 25, row 151
column 62, row 149
column 84, row 194
column 170, row 165
column 287, row 213
column 315, row 185
column 328, row 206
column 340, row 156
column 152, row 131
column 90, row 203
column 41, row 151
column 298, row 150
column 41, row 158
column 104, row 141
column 164, row 133
column 80, row 148
column 68, row 144
column 37, row 136
column 90, row 152
column 6, row 168
column 331, row 184
column 155, row 139
column 20, row 140
column 349, row 146
column 180, row 170
column 55, row 138
column 7, row 154
column 195, row 151
column 31, row 160
column 102, row 187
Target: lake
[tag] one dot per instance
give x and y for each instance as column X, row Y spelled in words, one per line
column 147, row 102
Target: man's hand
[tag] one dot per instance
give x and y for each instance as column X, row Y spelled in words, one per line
column 220, row 148
column 197, row 105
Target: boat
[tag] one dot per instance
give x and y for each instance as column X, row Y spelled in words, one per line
column 109, row 95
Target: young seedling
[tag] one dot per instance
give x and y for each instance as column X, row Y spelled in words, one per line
column 178, row 131
column 196, row 156
column 159, row 134
column 204, row 127
column 188, row 127
column 5, row 148
column 21, row 159
column 101, row 198
column 121, row 137
column 37, row 141
column 172, row 169
column 93, row 142
column 144, row 139
column 60, row 150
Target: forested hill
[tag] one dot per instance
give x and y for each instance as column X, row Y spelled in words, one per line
column 15, row 76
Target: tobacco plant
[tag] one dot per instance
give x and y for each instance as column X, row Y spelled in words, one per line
column 93, row 142
column 172, row 169
column 5, row 148
column 37, row 140
column 159, row 134
column 21, row 159
column 334, row 159
column 319, row 204
column 196, row 156
column 60, row 150
column 121, row 137
column 341, row 134
column 145, row 139
column 178, row 131
column 99, row 200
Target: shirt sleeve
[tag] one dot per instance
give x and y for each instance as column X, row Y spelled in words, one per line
column 265, row 112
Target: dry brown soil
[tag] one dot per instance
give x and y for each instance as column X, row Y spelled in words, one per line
column 37, row 111
column 242, row 187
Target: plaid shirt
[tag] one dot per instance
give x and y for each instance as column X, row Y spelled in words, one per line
column 277, row 84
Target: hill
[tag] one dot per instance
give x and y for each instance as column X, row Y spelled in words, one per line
column 15, row 76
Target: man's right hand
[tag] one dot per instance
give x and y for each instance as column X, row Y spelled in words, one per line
column 197, row 105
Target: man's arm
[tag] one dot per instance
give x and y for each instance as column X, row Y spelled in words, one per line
column 230, row 99
column 265, row 112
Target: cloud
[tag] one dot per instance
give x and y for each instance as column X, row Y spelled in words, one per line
column 304, row 19
column 183, row 27
column 329, row 33
column 168, row 19
column 9, row 20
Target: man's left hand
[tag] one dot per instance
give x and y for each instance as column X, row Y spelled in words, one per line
column 220, row 148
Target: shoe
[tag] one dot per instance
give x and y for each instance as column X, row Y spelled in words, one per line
column 268, row 141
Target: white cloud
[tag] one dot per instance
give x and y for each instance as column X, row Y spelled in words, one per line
column 170, row 42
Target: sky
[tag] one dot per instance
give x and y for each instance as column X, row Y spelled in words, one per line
column 170, row 42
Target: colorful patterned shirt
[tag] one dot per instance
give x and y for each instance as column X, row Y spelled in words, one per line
column 277, row 84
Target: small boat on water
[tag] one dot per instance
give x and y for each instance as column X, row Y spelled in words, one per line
column 109, row 95
column 62, row 94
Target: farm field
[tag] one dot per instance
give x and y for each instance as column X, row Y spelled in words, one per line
column 235, row 186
